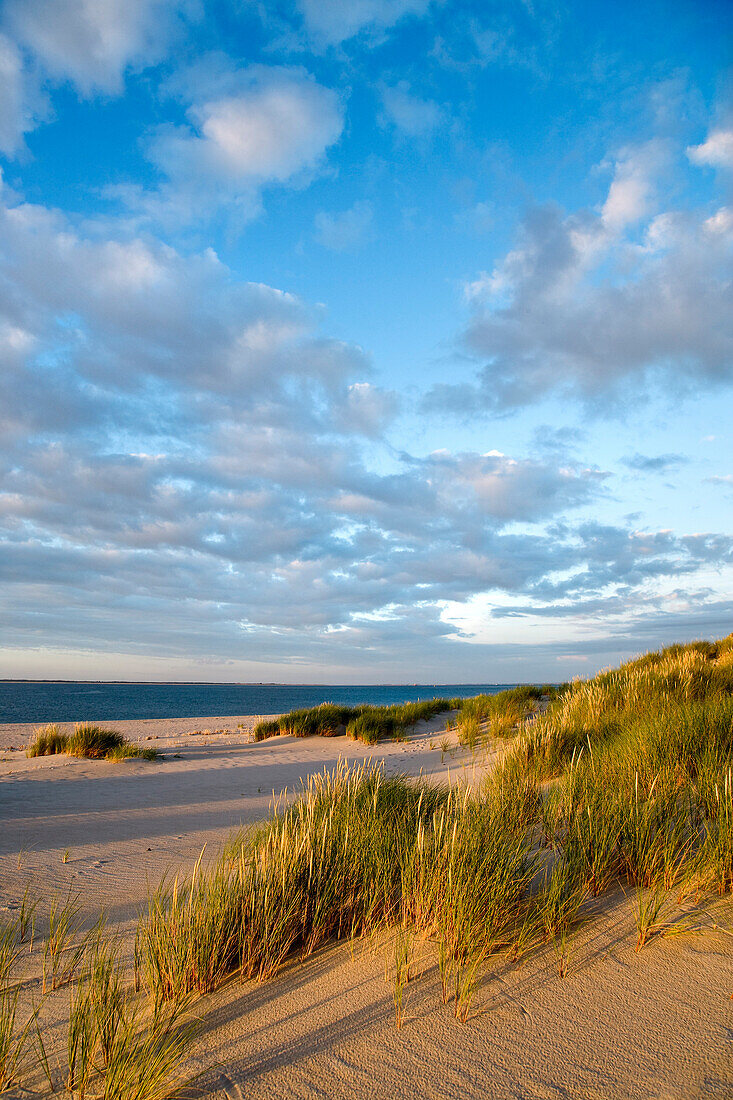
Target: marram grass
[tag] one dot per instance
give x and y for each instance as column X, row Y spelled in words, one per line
column 640, row 794
column 624, row 780
column 364, row 723
column 119, row 1045
column 89, row 741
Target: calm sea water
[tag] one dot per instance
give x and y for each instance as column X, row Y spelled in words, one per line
column 79, row 701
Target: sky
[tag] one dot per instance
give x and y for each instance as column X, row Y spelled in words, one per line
column 362, row 341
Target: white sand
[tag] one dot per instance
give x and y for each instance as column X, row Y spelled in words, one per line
column 658, row 1024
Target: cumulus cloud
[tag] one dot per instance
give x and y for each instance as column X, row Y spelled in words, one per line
column 200, row 458
column 247, row 128
column 134, row 315
column 367, row 408
column 630, row 191
column 580, row 305
column 276, row 123
column 715, row 152
column 208, row 474
column 92, row 43
column 345, row 230
column 22, row 104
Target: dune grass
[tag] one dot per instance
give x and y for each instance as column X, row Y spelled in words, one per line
column 364, row 723
column 89, row 741
column 623, row 780
column 13, row 1033
column 483, row 717
column 372, row 723
column 119, row 1046
column 358, row 852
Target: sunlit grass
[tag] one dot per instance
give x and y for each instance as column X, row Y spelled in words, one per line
column 365, row 723
column 89, row 741
column 639, row 762
column 622, row 783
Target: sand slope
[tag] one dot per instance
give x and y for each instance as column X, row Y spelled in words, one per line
column 658, row 1024
column 119, row 825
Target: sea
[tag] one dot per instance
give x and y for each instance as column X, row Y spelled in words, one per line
column 94, row 701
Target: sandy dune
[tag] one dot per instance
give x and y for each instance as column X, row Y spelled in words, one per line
column 119, row 825
column 658, row 1024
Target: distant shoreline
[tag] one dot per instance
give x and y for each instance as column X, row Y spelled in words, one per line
column 269, row 683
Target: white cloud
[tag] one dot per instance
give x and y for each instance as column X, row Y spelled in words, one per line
column 199, row 436
column 578, row 305
column 721, row 222
column 93, row 42
column 21, row 101
column 412, row 115
column 346, row 229
column 247, row 129
column 367, row 409
column 630, row 191
column 269, row 132
column 716, row 151
column 137, row 310
column 334, row 21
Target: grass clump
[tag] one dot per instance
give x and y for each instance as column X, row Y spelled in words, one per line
column 327, row 866
column 486, row 716
column 372, row 724
column 624, row 781
column 88, row 741
column 371, row 727
column 616, row 706
column 639, row 762
column 365, row 723
column 49, row 741
column 356, row 853
column 118, row 1049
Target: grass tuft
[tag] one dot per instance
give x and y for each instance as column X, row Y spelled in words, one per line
column 88, row 741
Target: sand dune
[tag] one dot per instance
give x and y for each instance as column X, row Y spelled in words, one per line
column 654, row 1024
column 119, row 824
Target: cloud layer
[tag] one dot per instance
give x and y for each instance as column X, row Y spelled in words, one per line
column 193, row 464
column 200, row 456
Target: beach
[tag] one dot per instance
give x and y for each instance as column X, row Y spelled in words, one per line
column 121, row 824
column 652, row 1024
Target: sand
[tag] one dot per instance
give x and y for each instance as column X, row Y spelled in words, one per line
column 657, row 1024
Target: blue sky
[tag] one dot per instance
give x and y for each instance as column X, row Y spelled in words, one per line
column 367, row 340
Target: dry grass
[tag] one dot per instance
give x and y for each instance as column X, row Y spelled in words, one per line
column 88, row 741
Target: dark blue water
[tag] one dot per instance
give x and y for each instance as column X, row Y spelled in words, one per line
column 78, row 701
